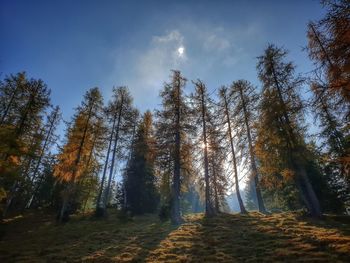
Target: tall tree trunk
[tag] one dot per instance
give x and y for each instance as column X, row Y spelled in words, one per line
column 302, row 181
column 321, row 45
column 255, row 174
column 18, row 133
column 9, row 199
column 23, row 119
column 208, row 206
column 36, row 169
column 106, row 197
column 216, row 197
column 175, row 193
column 71, row 184
column 125, row 196
column 240, row 202
column 98, row 202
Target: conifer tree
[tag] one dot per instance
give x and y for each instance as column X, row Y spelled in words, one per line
column 122, row 115
column 140, row 181
column 225, row 105
column 245, row 101
column 200, row 101
column 23, row 102
column 328, row 47
column 52, row 121
column 280, row 144
column 71, row 160
column 172, row 132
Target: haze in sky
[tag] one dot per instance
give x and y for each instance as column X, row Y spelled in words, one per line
column 76, row 45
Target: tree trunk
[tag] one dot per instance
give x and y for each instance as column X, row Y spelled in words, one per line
column 70, row 188
column 208, row 206
column 240, row 202
column 41, row 156
column 216, row 197
column 302, row 181
column 175, row 196
column 255, row 173
column 106, row 197
column 98, row 202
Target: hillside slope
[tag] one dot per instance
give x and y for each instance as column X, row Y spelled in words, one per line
column 283, row 237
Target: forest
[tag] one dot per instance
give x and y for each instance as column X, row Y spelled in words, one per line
column 138, row 179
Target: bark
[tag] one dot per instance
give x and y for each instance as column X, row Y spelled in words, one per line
column 98, row 202
column 208, row 206
column 10, row 199
column 175, row 198
column 321, row 45
column 216, row 197
column 36, row 169
column 106, row 197
column 70, row 188
column 302, row 181
column 259, row 198
column 240, row 202
column 19, row 131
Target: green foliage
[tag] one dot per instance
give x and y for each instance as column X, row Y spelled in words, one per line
column 140, row 189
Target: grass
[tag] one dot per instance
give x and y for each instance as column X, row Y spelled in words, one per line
column 283, row 237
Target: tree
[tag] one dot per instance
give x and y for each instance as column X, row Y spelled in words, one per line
column 245, row 99
column 52, row 121
column 217, row 153
column 140, row 187
column 225, row 104
column 280, row 143
column 23, row 102
column 329, row 47
column 172, row 131
column 79, row 141
column 200, row 99
column 122, row 115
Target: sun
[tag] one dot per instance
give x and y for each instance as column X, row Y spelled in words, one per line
column 181, row 51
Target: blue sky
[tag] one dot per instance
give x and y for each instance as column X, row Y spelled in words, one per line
column 76, row 45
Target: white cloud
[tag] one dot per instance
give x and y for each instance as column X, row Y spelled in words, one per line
column 154, row 64
column 207, row 51
column 215, row 42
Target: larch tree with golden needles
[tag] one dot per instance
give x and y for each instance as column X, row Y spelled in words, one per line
column 329, row 48
column 81, row 134
column 23, row 103
column 280, row 143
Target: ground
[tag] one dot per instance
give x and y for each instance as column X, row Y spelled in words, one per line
column 282, row 237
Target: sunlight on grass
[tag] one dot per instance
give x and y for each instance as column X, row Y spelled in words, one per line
column 226, row 238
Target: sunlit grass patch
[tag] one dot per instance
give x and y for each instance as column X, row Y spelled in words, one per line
column 225, row 238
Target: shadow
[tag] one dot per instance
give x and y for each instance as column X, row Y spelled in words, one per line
column 225, row 238
column 254, row 238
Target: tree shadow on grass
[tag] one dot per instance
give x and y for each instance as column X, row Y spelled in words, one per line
column 84, row 239
column 251, row 238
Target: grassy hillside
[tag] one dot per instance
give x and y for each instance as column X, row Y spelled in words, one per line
column 284, row 237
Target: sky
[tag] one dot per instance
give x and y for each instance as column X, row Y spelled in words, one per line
column 77, row 45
